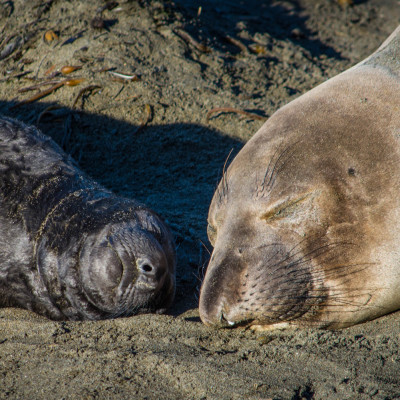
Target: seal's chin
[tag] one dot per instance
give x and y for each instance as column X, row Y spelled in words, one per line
column 125, row 271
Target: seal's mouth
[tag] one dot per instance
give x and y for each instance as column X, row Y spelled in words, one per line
column 256, row 324
column 150, row 289
column 154, row 300
column 221, row 320
column 245, row 323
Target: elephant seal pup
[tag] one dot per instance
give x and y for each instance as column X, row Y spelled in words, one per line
column 70, row 249
column 305, row 223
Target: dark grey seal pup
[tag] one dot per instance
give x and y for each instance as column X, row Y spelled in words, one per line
column 69, row 248
column 306, row 221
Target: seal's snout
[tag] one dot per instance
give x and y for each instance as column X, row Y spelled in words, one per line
column 215, row 303
column 248, row 284
column 126, row 270
column 210, row 314
column 210, row 306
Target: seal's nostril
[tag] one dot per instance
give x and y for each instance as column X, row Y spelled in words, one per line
column 146, row 268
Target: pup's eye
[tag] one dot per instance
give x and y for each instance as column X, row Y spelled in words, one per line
column 212, row 234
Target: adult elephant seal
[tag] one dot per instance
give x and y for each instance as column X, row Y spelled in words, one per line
column 305, row 223
column 70, row 249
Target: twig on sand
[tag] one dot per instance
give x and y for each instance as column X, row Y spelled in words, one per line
column 235, row 110
column 50, row 70
column 47, row 111
column 89, row 88
column 67, row 82
column 148, row 117
column 37, row 86
column 40, row 64
column 237, row 43
column 15, row 76
column 189, row 39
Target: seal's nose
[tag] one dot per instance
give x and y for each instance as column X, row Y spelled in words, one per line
column 210, row 304
column 210, row 317
column 220, row 288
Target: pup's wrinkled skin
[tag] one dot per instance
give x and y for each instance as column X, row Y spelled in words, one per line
column 305, row 223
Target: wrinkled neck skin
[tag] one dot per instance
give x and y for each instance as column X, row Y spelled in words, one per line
column 305, row 222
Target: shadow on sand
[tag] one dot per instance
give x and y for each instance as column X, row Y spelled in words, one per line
column 172, row 168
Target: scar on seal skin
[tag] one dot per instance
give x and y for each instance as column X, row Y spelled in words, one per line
column 69, row 248
column 305, row 222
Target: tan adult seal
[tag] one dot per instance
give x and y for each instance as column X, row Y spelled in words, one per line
column 305, row 223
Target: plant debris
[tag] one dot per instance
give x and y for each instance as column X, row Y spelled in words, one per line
column 44, row 93
column 148, row 117
column 190, row 40
column 234, row 110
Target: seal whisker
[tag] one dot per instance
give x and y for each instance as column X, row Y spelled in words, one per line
column 273, row 169
column 261, row 187
column 319, row 276
column 302, row 260
column 325, row 248
column 222, row 188
column 207, row 249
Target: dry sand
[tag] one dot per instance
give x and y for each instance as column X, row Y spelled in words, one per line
column 173, row 164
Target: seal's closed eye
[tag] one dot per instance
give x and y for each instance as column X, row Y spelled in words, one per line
column 284, row 209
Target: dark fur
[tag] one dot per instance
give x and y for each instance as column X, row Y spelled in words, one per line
column 70, row 249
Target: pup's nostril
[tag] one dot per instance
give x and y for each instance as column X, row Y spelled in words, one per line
column 146, row 268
